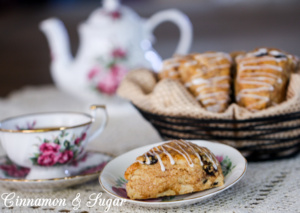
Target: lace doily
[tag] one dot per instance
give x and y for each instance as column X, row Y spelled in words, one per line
column 267, row 186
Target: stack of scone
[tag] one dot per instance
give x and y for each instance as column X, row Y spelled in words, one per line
column 259, row 78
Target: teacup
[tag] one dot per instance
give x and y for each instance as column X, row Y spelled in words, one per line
column 47, row 142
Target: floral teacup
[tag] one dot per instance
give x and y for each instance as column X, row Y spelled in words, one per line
column 47, row 142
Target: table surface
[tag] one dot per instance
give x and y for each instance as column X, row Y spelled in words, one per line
column 272, row 186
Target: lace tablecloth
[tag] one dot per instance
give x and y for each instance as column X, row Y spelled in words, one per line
column 267, row 186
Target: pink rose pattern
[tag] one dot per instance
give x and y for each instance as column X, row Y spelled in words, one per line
column 12, row 170
column 220, row 158
column 47, row 159
column 49, row 147
column 114, row 15
column 94, row 169
column 118, row 53
column 59, row 151
column 75, row 162
column 106, row 80
column 29, row 126
column 65, row 157
column 93, row 73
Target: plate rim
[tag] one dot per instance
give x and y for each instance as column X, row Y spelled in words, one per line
column 222, row 188
column 22, row 180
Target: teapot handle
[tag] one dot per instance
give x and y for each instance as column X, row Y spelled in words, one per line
column 181, row 20
column 94, row 109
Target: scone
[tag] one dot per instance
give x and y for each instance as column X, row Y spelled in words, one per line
column 208, row 77
column 170, row 68
column 262, row 77
column 173, row 168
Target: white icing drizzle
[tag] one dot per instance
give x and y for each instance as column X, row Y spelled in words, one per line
column 211, row 158
column 239, row 96
column 260, row 67
column 196, row 81
column 269, row 86
column 215, row 55
column 263, row 59
column 212, row 100
column 199, row 81
column 161, row 164
column 147, row 159
column 260, row 51
column 190, row 63
column 172, row 73
column 153, row 153
column 213, row 94
column 222, row 66
column 267, row 75
column 170, row 64
column 180, row 144
column 188, row 156
column 168, row 154
column 275, row 52
column 191, row 164
column 224, row 86
column 193, row 150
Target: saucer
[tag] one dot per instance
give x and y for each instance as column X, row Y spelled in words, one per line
column 233, row 164
column 80, row 171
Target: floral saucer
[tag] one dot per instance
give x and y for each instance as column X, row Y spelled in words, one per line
column 80, row 171
column 233, row 164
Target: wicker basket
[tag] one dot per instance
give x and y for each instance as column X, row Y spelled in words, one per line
column 268, row 148
column 268, row 134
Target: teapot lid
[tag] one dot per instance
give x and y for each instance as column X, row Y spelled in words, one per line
column 113, row 14
column 111, row 5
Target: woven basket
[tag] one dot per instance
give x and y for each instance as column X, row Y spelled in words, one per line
column 267, row 134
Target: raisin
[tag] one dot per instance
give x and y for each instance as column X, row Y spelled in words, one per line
column 152, row 159
column 208, row 169
column 215, row 183
column 207, row 166
column 261, row 54
column 204, row 182
column 280, row 56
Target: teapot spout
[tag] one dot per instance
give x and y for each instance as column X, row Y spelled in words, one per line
column 58, row 40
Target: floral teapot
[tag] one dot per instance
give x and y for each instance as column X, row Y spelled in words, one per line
column 114, row 40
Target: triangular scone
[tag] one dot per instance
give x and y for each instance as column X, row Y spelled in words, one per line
column 262, row 76
column 173, row 168
column 208, row 77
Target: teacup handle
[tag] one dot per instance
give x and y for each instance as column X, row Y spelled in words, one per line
column 181, row 20
column 94, row 109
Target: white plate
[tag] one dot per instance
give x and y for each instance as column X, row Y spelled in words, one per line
column 112, row 177
column 86, row 169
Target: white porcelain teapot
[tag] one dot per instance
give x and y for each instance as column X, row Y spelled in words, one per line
column 113, row 41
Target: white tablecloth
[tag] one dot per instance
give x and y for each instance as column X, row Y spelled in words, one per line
column 267, row 186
